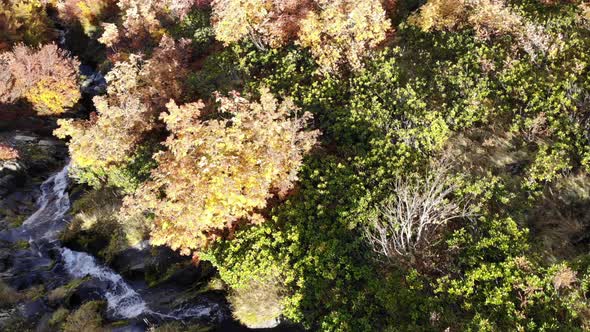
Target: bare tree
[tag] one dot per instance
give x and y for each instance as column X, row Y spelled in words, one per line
column 410, row 223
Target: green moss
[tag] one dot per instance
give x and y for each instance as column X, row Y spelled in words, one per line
column 21, row 245
column 87, row 318
column 96, row 226
column 64, row 291
column 119, row 323
column 258, row 304
column 178, row 326
column 17, row 220
column 215, row 284
column 16, row 323
column 35, row 292
column 154, row 277
column 13, row 219
column 59, row 317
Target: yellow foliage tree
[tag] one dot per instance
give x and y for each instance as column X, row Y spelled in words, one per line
column 344, row 32
column 336, row 31
column 24, row 21
column 441, row 15
column 216, row 172
column 264, row 22
column 87, row 13
column 108, row 138
column 137, row 92
column 51, row 96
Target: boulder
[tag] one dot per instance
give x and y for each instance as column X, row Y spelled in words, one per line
column 33, row 310
column 24, row 138
column 12, row 174
column 93, row 82
column 90, row 290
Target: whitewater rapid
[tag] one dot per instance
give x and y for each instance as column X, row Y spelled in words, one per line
column 42, row 231
column 45, row 225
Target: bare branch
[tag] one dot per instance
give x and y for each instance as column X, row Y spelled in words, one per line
column 412, row 221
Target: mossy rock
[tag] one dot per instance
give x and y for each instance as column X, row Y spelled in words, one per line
column 89, row 317
column 21, row 245
column 59, row 317
column 178, row 326
column 61, row 293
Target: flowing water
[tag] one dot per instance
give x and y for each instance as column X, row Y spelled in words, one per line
column 122, row 300
column 41, row 230
column 54, row 203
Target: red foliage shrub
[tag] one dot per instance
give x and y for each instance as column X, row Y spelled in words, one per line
column 47, row 77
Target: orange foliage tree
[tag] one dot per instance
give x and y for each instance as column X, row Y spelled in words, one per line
column 488, row 18
column 218, row 171
column 137, row 92
column 47, row 77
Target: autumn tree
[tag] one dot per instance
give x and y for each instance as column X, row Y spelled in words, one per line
column 153, row 81
column 143, row 23
column 337, row 32
column 488, row 18
column 46, row 77
column 344, row 31
column 180, row 8
column 265, row 22
column 107, row 139
column 24, row 21
column 87, row 13
column 218, row 171
column 140, row 18
column 137, row 92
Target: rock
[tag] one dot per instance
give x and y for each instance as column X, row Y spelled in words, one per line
column 94, row 82
column 90, row 290
column 130, row 327
column 33, row 310
column 46, row 142
column 28, row 269
column 24, row 138
column 130, row 263
column 10, row 166
column 5, row 262
column 8, row 183
column 6, row 315
column 11, row 175
column 44, row 325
